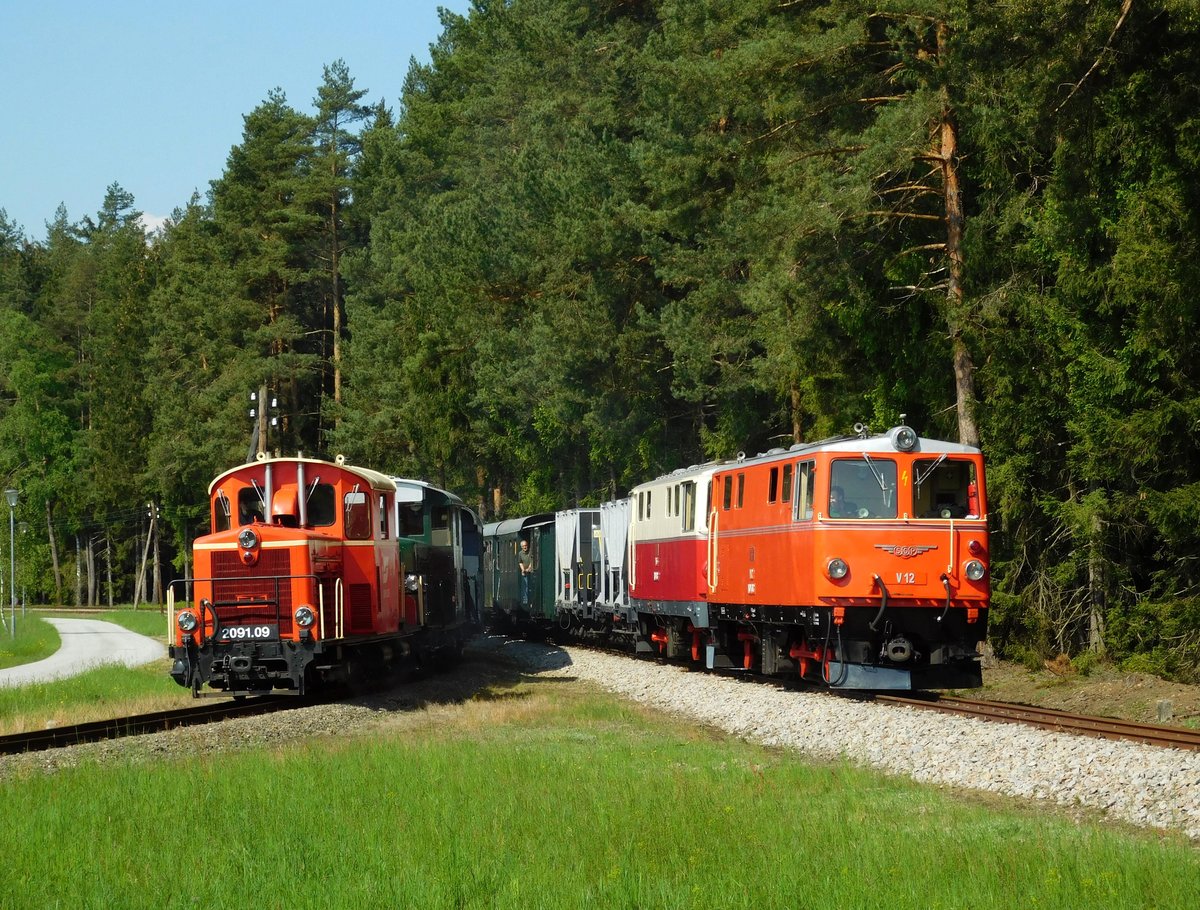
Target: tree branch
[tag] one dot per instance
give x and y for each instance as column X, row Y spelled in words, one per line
column 1126, row 5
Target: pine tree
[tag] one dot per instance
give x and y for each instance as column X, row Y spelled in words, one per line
column 262, row 206
column 336, row 149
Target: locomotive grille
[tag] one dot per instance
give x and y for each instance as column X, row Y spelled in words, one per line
column 360, row 608
column 234, row 580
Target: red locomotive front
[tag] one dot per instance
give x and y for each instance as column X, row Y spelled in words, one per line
column 300, row 560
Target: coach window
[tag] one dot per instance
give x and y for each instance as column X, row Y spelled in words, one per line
column 358, row 515
column 802, row 508
column 412, row 520
column 866, row 488
column 439, row 527
column 689, row 506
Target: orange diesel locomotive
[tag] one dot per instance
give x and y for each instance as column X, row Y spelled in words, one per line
column 318, row 571
column 861, row 561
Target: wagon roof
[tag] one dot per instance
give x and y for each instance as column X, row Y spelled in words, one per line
column 517, row 525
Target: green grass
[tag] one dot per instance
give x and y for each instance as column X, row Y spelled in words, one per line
column 35, row 639
column 146, row 621
column 108, row 691
column 548, row 796
column 105, row 692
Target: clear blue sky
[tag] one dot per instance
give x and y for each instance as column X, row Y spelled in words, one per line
column 151, row 93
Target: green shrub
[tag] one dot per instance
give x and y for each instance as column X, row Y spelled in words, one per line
column 1086, row 662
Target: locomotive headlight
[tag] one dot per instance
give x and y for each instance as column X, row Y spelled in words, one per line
column 305, row 617
column 247, row 539
column 186, row 622
column 974, row 570
column 837, row 568
column 904, row 439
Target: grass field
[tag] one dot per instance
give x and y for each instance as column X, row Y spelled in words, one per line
column 35, row 639
column 98, row 694
column 551, row 795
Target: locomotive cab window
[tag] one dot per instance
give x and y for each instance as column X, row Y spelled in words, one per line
column 945, row 488
column 862, row 488
column 322, row 505
column 358, row 515
column 222, row 510
column 773, row 485
column 250, row 506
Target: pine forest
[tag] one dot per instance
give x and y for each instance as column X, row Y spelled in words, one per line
column 595, row 240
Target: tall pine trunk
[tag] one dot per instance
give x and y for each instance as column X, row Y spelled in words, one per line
column 58, row 581
column 964, row 365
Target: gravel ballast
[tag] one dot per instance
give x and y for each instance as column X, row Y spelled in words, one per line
column 1144, row 785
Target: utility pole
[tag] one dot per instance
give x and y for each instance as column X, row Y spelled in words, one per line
column 12, row 496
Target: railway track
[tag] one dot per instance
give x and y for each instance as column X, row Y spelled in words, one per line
column 55, row 737
column 1050, row 719
column 998, row 712
column 995, row 711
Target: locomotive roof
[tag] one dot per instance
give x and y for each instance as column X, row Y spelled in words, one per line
column 873, row 444
column 877, row 443
column 377, row 480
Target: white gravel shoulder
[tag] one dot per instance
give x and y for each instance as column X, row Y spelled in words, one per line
column 1144, row 785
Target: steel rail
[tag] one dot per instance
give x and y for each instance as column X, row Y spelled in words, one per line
column 1054, row 720
column 136, row 725
column 994, row 711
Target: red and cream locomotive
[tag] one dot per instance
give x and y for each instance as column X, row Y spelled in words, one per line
column 318, row 571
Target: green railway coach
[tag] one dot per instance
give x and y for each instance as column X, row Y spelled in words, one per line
column 502, row 576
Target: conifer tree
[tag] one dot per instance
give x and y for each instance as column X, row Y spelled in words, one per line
column 336, row 149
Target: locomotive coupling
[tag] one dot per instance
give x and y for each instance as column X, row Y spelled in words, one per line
column 898, row 650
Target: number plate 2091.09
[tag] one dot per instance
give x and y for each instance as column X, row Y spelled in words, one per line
column 254, row 632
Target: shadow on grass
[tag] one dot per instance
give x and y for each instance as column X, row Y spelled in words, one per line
column 493, row 669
